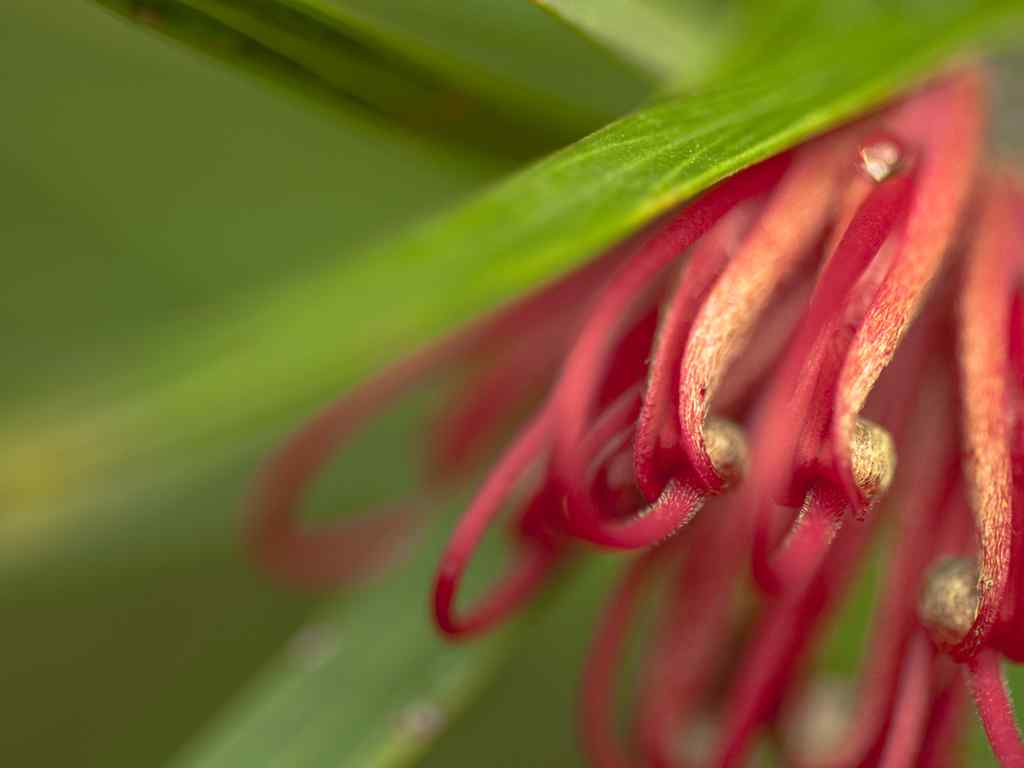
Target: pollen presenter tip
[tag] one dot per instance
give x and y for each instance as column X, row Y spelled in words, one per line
column 880, row 159
column 727, row 449
column 949, row 600
column 873, row 457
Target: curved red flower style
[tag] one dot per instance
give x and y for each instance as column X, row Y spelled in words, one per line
column 729, row 392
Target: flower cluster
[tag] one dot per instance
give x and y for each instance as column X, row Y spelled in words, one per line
column 728, row 393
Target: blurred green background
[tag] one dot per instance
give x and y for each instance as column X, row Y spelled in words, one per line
column 144, row 187
column 146, row 193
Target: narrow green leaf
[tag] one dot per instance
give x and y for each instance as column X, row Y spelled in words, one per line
column 464, row 76
column 528, row 715
column 510, row 53
column 367, row 682
column 679, row 42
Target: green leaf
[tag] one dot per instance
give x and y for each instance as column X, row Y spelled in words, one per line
column 457, row 73
column 679, row 42
column 367, row 682
column 510, row 53
column 538, row 687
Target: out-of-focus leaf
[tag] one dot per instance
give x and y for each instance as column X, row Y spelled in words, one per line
column 372, row 685
column 496, row 74
column 678, row 41
column 511, row 53
column 367, row 682
column 537, row 690
column 306, row 337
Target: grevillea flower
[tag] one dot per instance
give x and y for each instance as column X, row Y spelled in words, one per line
column 728, row 393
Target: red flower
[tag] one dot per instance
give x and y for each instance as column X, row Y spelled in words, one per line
column 733, row 388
